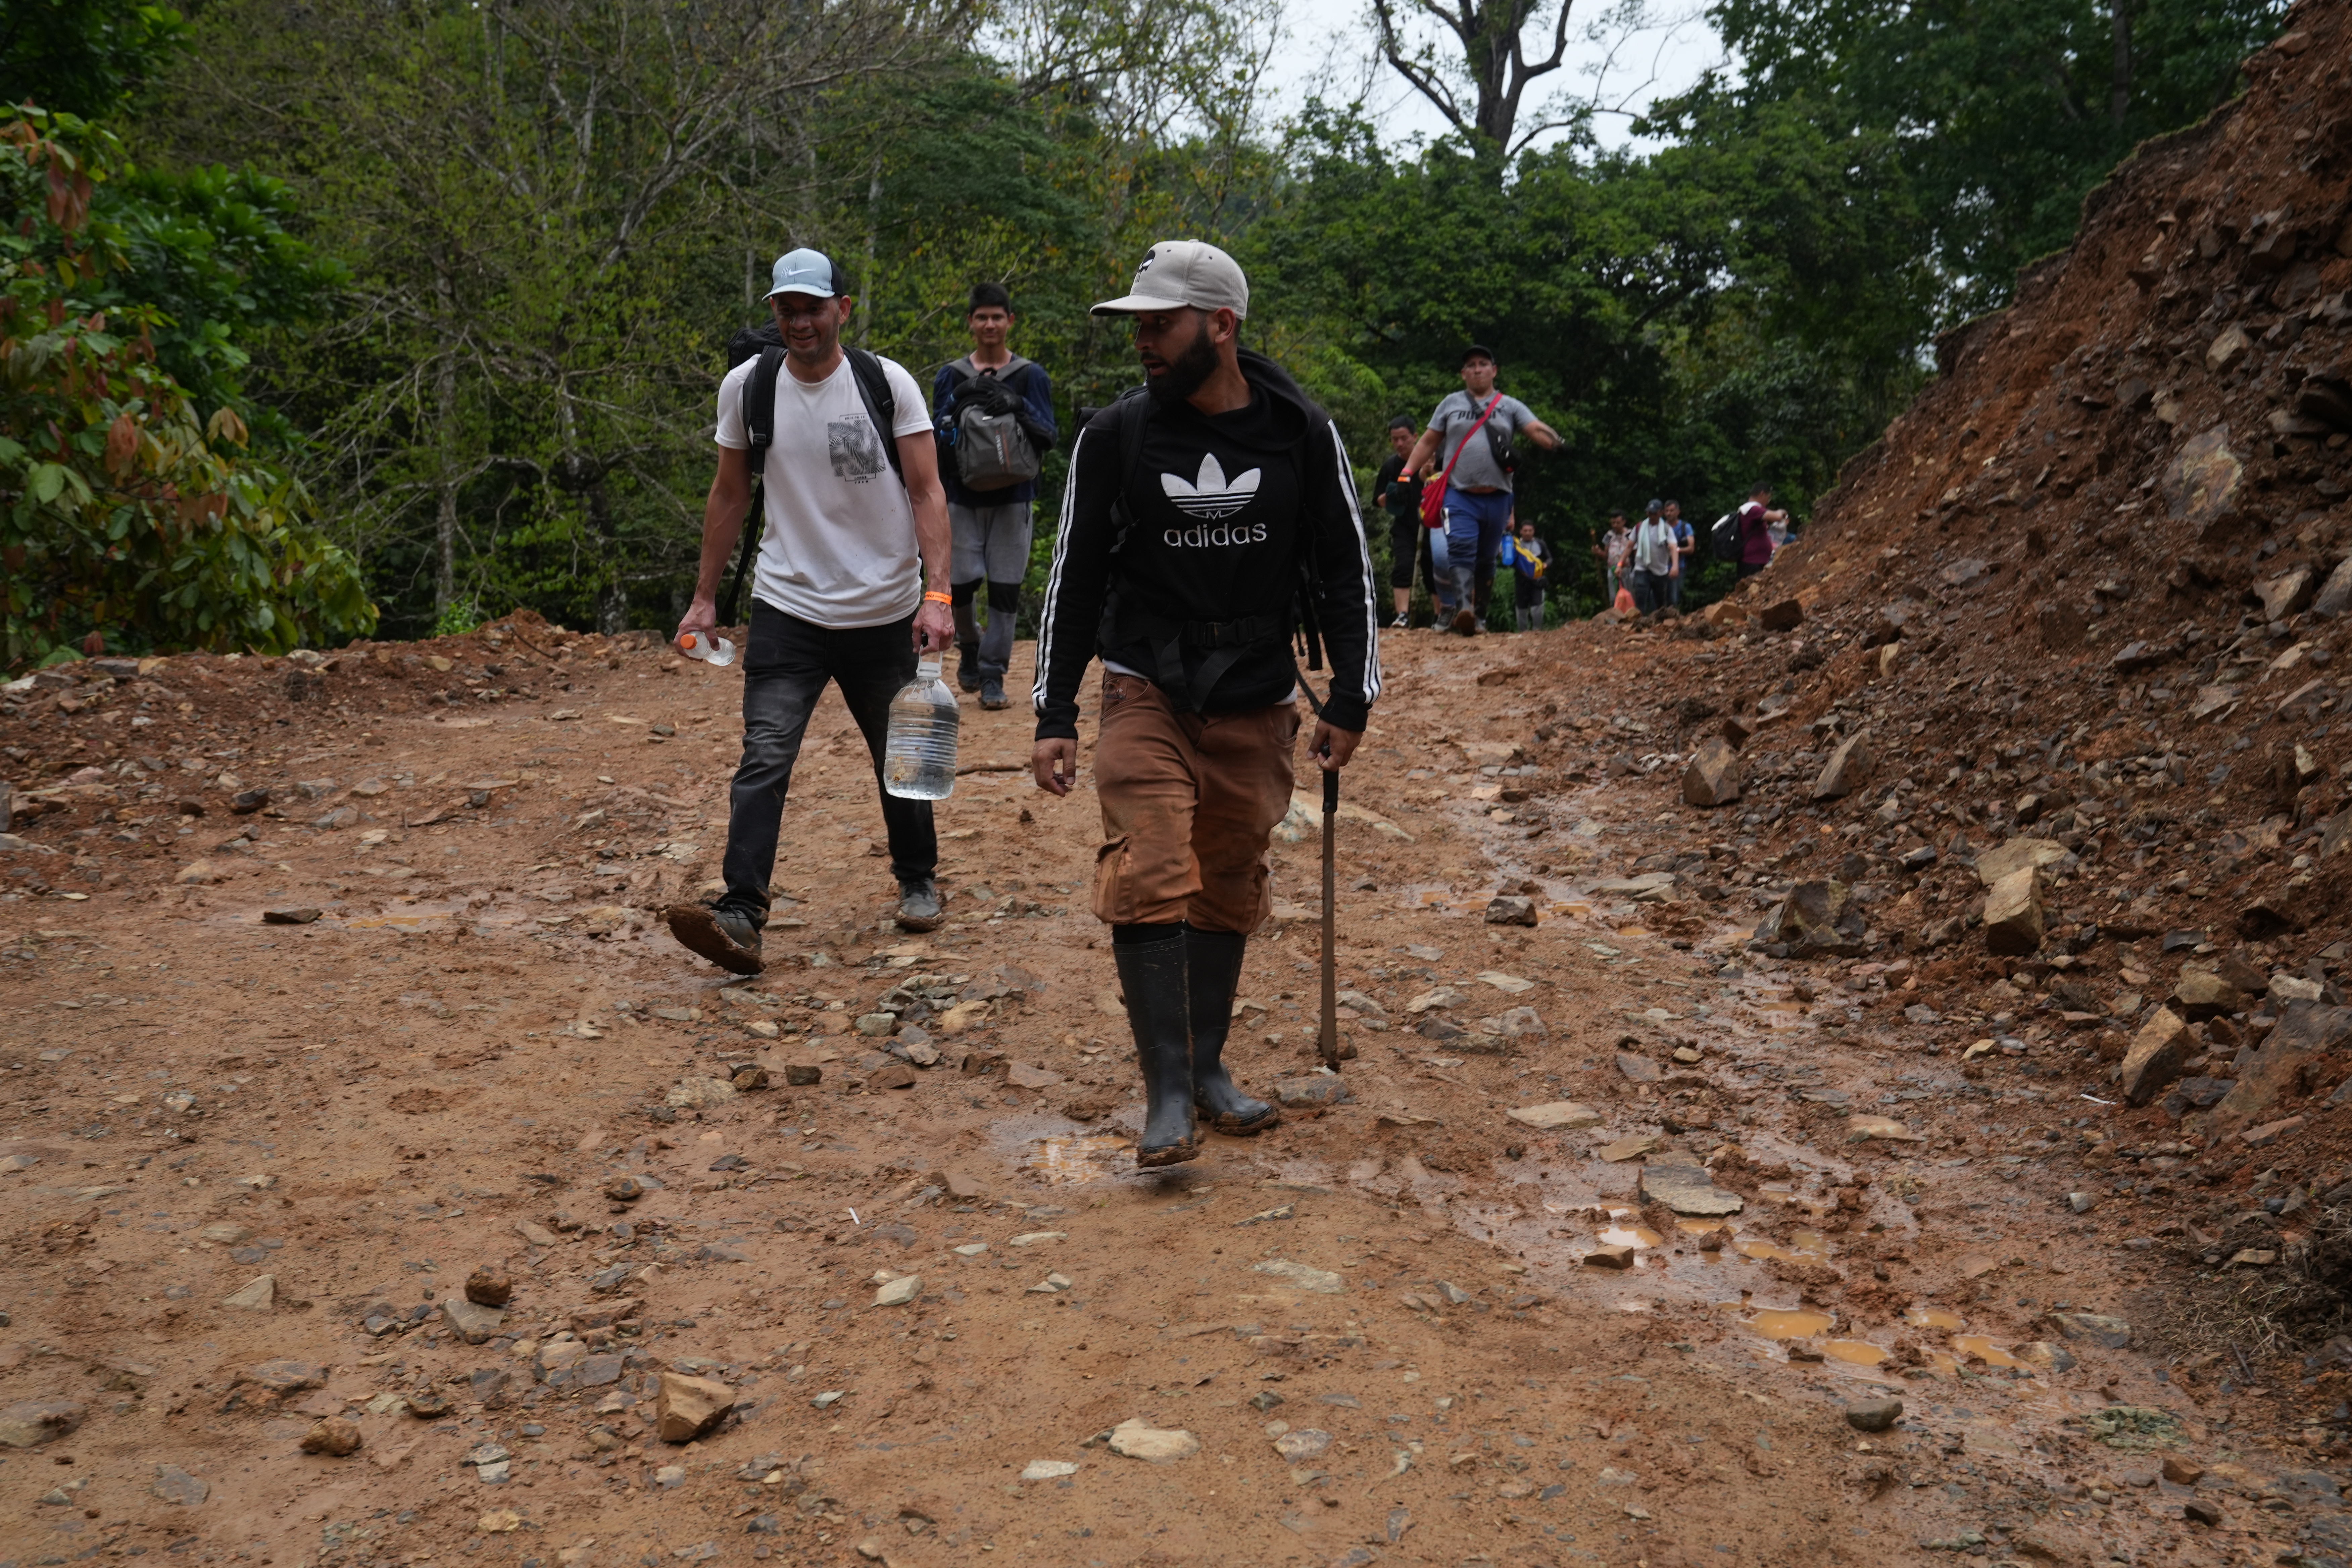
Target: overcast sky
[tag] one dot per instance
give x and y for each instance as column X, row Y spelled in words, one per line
column 1659, row 53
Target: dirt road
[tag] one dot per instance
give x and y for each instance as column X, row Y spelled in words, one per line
column 1582, row 1259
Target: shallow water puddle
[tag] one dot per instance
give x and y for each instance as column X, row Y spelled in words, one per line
column 1924, row 1317
column 1087, row 1157
column 1853, row 1353
column 1804, row 1246
column 1799, row 1323
column 1978, row 1345
column 1629, row 1235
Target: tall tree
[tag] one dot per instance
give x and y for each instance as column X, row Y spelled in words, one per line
column 1479, row 79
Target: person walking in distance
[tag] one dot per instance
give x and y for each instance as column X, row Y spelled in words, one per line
column 1477, row 475
column 1686, row 552
column 1202, row 512
column 1653, row 560
column 991, row 526
column 850, row 584
column 1529, row 559
column 1755, row 521
column 1615, row 553
column 1398, row 492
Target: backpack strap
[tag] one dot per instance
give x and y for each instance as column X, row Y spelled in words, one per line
column 760, row 404
column 881, row 404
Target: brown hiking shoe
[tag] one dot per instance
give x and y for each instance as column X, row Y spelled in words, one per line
column 1465, row 621
column 723, row 936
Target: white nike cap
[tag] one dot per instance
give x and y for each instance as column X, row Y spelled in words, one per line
column 1180, row 272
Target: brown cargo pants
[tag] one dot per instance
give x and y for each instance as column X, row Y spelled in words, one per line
column 1188, row 801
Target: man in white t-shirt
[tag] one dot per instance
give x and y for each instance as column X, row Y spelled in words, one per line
column 851, row 584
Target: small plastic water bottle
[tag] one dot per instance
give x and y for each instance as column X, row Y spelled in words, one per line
column 716, row 651
column 919, row 759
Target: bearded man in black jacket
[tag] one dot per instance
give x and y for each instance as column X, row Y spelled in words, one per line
column 1201, row 513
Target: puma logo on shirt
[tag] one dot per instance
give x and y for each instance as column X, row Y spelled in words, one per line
column 1210, row 496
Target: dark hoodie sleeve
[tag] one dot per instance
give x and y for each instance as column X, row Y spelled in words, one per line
column 1345, row 609
column 1075, row 590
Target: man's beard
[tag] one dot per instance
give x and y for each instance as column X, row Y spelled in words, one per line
column 1187, row 372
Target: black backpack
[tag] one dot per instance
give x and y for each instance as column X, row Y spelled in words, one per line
column 1226, row 641
column 767, row 344
column 1724, row 537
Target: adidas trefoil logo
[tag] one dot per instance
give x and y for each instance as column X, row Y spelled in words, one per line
column 1210, row 496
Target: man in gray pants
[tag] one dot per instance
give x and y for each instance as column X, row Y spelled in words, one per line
column 992, row 527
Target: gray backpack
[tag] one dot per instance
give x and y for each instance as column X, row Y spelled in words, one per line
column 993, row 451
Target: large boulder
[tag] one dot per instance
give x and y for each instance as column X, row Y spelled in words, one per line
column 1817, row 917
column 2013, row 853
column 1847, row 770
column 2299, row 1051
column 2013, row 913
column 2201, row 993
column 1713, row 775
column 2158, row 1052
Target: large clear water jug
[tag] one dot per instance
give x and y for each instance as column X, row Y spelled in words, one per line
column 919, row 760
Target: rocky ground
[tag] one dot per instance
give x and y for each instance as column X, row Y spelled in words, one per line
column 1916, row 982
column 1615, row 1226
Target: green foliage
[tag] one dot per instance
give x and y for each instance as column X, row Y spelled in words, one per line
column 2008, row 111
column 1724, row 310
column 123, row 511
column 82, row 57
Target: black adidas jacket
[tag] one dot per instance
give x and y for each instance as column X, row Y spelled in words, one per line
column 1223, row 511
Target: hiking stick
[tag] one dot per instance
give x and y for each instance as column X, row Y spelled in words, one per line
column 1329, row 1045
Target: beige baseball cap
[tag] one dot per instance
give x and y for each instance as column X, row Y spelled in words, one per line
column 1180, row 272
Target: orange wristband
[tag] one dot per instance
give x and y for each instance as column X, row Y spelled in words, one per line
column 932, row 598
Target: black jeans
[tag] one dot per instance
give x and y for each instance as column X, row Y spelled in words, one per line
column 784, row 672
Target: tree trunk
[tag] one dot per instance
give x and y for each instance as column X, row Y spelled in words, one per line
column 444, row 521
column 613, row 605
column 2119, row 80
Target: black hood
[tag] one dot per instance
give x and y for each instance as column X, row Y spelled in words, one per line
column 1292, row 414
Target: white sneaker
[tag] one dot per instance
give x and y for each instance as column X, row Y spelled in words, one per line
column 1400, row 623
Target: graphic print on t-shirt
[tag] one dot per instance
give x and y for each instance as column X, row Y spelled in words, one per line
column 1209, row 496
column 856, row 451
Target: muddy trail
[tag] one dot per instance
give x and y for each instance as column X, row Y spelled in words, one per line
column 383, row 1111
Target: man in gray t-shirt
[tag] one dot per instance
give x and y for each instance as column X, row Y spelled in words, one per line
column 1478, row 484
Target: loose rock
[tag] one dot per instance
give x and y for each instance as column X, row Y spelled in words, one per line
column 1715, row 774
column 489, row 1287
column 337, row 1436
column 2158, row 1052
column 1873, row 1415
column 30, row 1422
column 178, row 1488
column 687, row 1407
column 1510, row 909
column 257, row 1295
column 2013, row 913
column 1558, row 1115
column 1159, row 1445
column 1848, row 769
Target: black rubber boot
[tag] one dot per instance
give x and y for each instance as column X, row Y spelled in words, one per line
column 1152, row 975
column 1214, row 961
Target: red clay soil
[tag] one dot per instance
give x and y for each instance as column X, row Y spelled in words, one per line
column 1676, row 1136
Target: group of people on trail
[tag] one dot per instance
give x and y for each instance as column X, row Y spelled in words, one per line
column 1449, row 492
column 1644, row 567
column 1207, row 515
